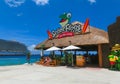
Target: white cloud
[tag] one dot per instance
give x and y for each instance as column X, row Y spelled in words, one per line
column 92, row 1
column 32, row 50
column 31, row 47
column 41, row 2
column 14, row 3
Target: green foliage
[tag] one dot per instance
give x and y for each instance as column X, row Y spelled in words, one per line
column 42, row 46
column 70, row 58
column 114, row 53
column 63, row 60
column 58, row 57
column 28, row 55
column 118, row 53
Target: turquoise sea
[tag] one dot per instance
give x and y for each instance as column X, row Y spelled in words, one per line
column 17, row 60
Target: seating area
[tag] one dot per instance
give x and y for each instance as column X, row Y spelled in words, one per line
column 47, row 61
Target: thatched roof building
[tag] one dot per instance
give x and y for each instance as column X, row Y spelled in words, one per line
column 94, row 37
column 93, row 40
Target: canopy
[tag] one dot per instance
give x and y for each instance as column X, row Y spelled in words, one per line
column 54, row 48
column 71, row 47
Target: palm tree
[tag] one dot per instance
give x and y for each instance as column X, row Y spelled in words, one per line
column 28, row 57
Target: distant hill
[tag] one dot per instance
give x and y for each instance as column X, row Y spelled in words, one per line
column 12, row 46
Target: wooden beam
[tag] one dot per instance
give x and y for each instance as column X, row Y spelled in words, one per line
column 100, row 55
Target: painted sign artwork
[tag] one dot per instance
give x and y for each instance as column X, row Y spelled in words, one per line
column 85, row 25
column 65, row 19
column 49, row 34
column 65, row 34
column 67, row 29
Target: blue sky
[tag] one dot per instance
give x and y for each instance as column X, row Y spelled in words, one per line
column 27, row 21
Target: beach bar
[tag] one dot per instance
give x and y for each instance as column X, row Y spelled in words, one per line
column 93, row 39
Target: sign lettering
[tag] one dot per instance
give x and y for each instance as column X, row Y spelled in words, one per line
column 76, row 28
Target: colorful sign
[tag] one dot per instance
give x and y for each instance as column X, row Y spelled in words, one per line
column 65, row 34
column 85, row 25
column 67, row 29
column 49, row 34
column 65, row 19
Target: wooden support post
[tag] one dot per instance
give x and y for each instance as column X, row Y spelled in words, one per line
column 100, row 55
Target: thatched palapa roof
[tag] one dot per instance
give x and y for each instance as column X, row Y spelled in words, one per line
column 94, row 37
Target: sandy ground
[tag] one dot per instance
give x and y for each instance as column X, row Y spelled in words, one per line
column 38, row 74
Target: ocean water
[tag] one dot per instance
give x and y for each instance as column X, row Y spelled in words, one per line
column 17, row 60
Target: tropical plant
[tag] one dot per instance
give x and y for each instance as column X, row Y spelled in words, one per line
column 28, row 56
column 70, row 58
column 63, row 60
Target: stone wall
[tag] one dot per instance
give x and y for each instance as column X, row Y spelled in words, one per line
column 105, row 53
column 114, row 32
